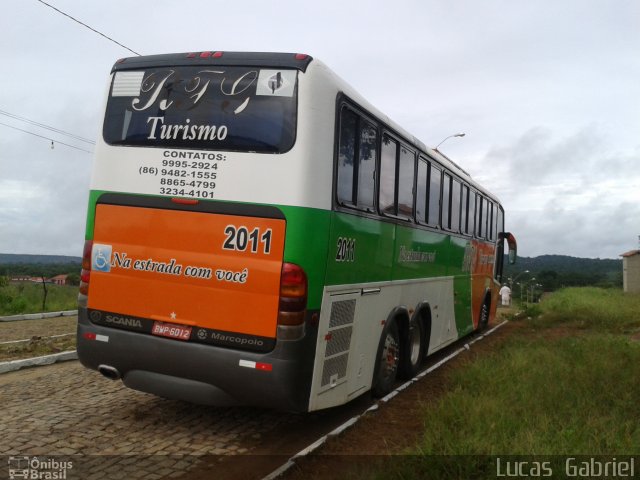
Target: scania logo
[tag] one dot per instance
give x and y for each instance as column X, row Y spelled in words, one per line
column 95, row 316
column 124, row 321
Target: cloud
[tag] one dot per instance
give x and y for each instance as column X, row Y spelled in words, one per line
column 572, row 195
column 42, row 207
column 544, row 91
column 594, row 231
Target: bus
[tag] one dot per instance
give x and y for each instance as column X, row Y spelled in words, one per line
column 259, row 234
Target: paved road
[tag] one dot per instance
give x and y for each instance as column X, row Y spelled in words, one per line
column 65, row 409
column 110, row 431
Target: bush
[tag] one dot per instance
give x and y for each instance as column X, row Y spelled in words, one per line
column 27, row 298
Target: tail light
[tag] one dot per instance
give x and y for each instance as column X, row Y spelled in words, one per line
column 293, row 295
column 85, row 274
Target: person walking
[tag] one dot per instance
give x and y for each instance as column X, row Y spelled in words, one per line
column 505, row 293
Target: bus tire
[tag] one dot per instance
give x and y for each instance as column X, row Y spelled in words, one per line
column 412, row 353
column 387, row 360
column 483, row 321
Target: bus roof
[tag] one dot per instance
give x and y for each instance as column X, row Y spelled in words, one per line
column 298, row 61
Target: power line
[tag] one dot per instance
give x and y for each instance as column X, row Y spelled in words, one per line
column 46, row 138
column 47, row 127
column 85, row 25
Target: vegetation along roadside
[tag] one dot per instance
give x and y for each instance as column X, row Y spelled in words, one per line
column 563, row 383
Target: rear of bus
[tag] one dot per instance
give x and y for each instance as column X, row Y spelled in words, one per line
column 190, row 289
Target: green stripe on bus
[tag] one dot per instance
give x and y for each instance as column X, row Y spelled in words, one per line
column 376, row 251
column 384, row 251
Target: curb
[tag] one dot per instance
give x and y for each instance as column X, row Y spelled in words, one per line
column 38, row 316
column 352, row 421
column 25, row 340
column 14, row 365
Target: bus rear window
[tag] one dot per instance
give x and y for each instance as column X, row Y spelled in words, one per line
column 213, row 108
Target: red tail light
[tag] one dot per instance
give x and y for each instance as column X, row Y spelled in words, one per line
column 85, row 274
column 293, row 295
column 185, row 201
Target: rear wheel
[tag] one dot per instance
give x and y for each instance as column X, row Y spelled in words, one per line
column 387, row 360
column 484, row 317
column 413, row 352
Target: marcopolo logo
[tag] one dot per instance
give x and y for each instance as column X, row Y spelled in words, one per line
column 101, row 257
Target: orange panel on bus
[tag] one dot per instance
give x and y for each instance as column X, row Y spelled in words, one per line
column 214, row 271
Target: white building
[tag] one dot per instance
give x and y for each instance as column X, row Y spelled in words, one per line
column 631, row 271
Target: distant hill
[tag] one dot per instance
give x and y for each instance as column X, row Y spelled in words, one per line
column 555, row 271
column 38, row 265
column 565, row 263
column 12, row 259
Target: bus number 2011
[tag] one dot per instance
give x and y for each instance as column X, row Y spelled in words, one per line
column 346, row 250
column 241, row 239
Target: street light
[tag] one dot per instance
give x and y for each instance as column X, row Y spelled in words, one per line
column 512, row 281
column 531, row 280
column 534, row 287
column 450, row 136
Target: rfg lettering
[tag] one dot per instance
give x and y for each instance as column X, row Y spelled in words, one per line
column 197, row 87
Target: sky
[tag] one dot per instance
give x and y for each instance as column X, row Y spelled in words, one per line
column 546, row 91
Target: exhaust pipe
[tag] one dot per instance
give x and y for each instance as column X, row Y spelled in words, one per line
column 110, row 372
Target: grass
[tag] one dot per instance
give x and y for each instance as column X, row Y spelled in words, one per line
column 27, row 298
column 594, row 309
column 565, row 384
column 542, row 397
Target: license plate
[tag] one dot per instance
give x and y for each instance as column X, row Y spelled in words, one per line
column 179, row 332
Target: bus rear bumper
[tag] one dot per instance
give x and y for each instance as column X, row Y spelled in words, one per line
column 199, row 373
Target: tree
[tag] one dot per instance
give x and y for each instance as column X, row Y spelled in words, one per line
column 548, row 278
column 73, row 279
column 44, row 298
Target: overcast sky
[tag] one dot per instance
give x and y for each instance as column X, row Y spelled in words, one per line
column 547, row 92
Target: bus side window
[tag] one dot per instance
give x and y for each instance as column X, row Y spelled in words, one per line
column 464, row 211
column 397, row 174
column 357, row 151
column 367, row 166
column 446, row 201
column 346, row 156
column 421, row 190
column 388, row 175
column 433, row 209
column 479, row 217
column 486, row 218
column 471, row 221
column 406, row 174
column 494, row 221
column 455, row 205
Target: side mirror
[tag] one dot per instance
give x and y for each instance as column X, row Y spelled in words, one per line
column 513, row 246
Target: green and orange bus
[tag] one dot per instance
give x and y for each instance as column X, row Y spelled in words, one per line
column 259, row 234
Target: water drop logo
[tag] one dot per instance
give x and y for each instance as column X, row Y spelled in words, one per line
column 101, row 257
